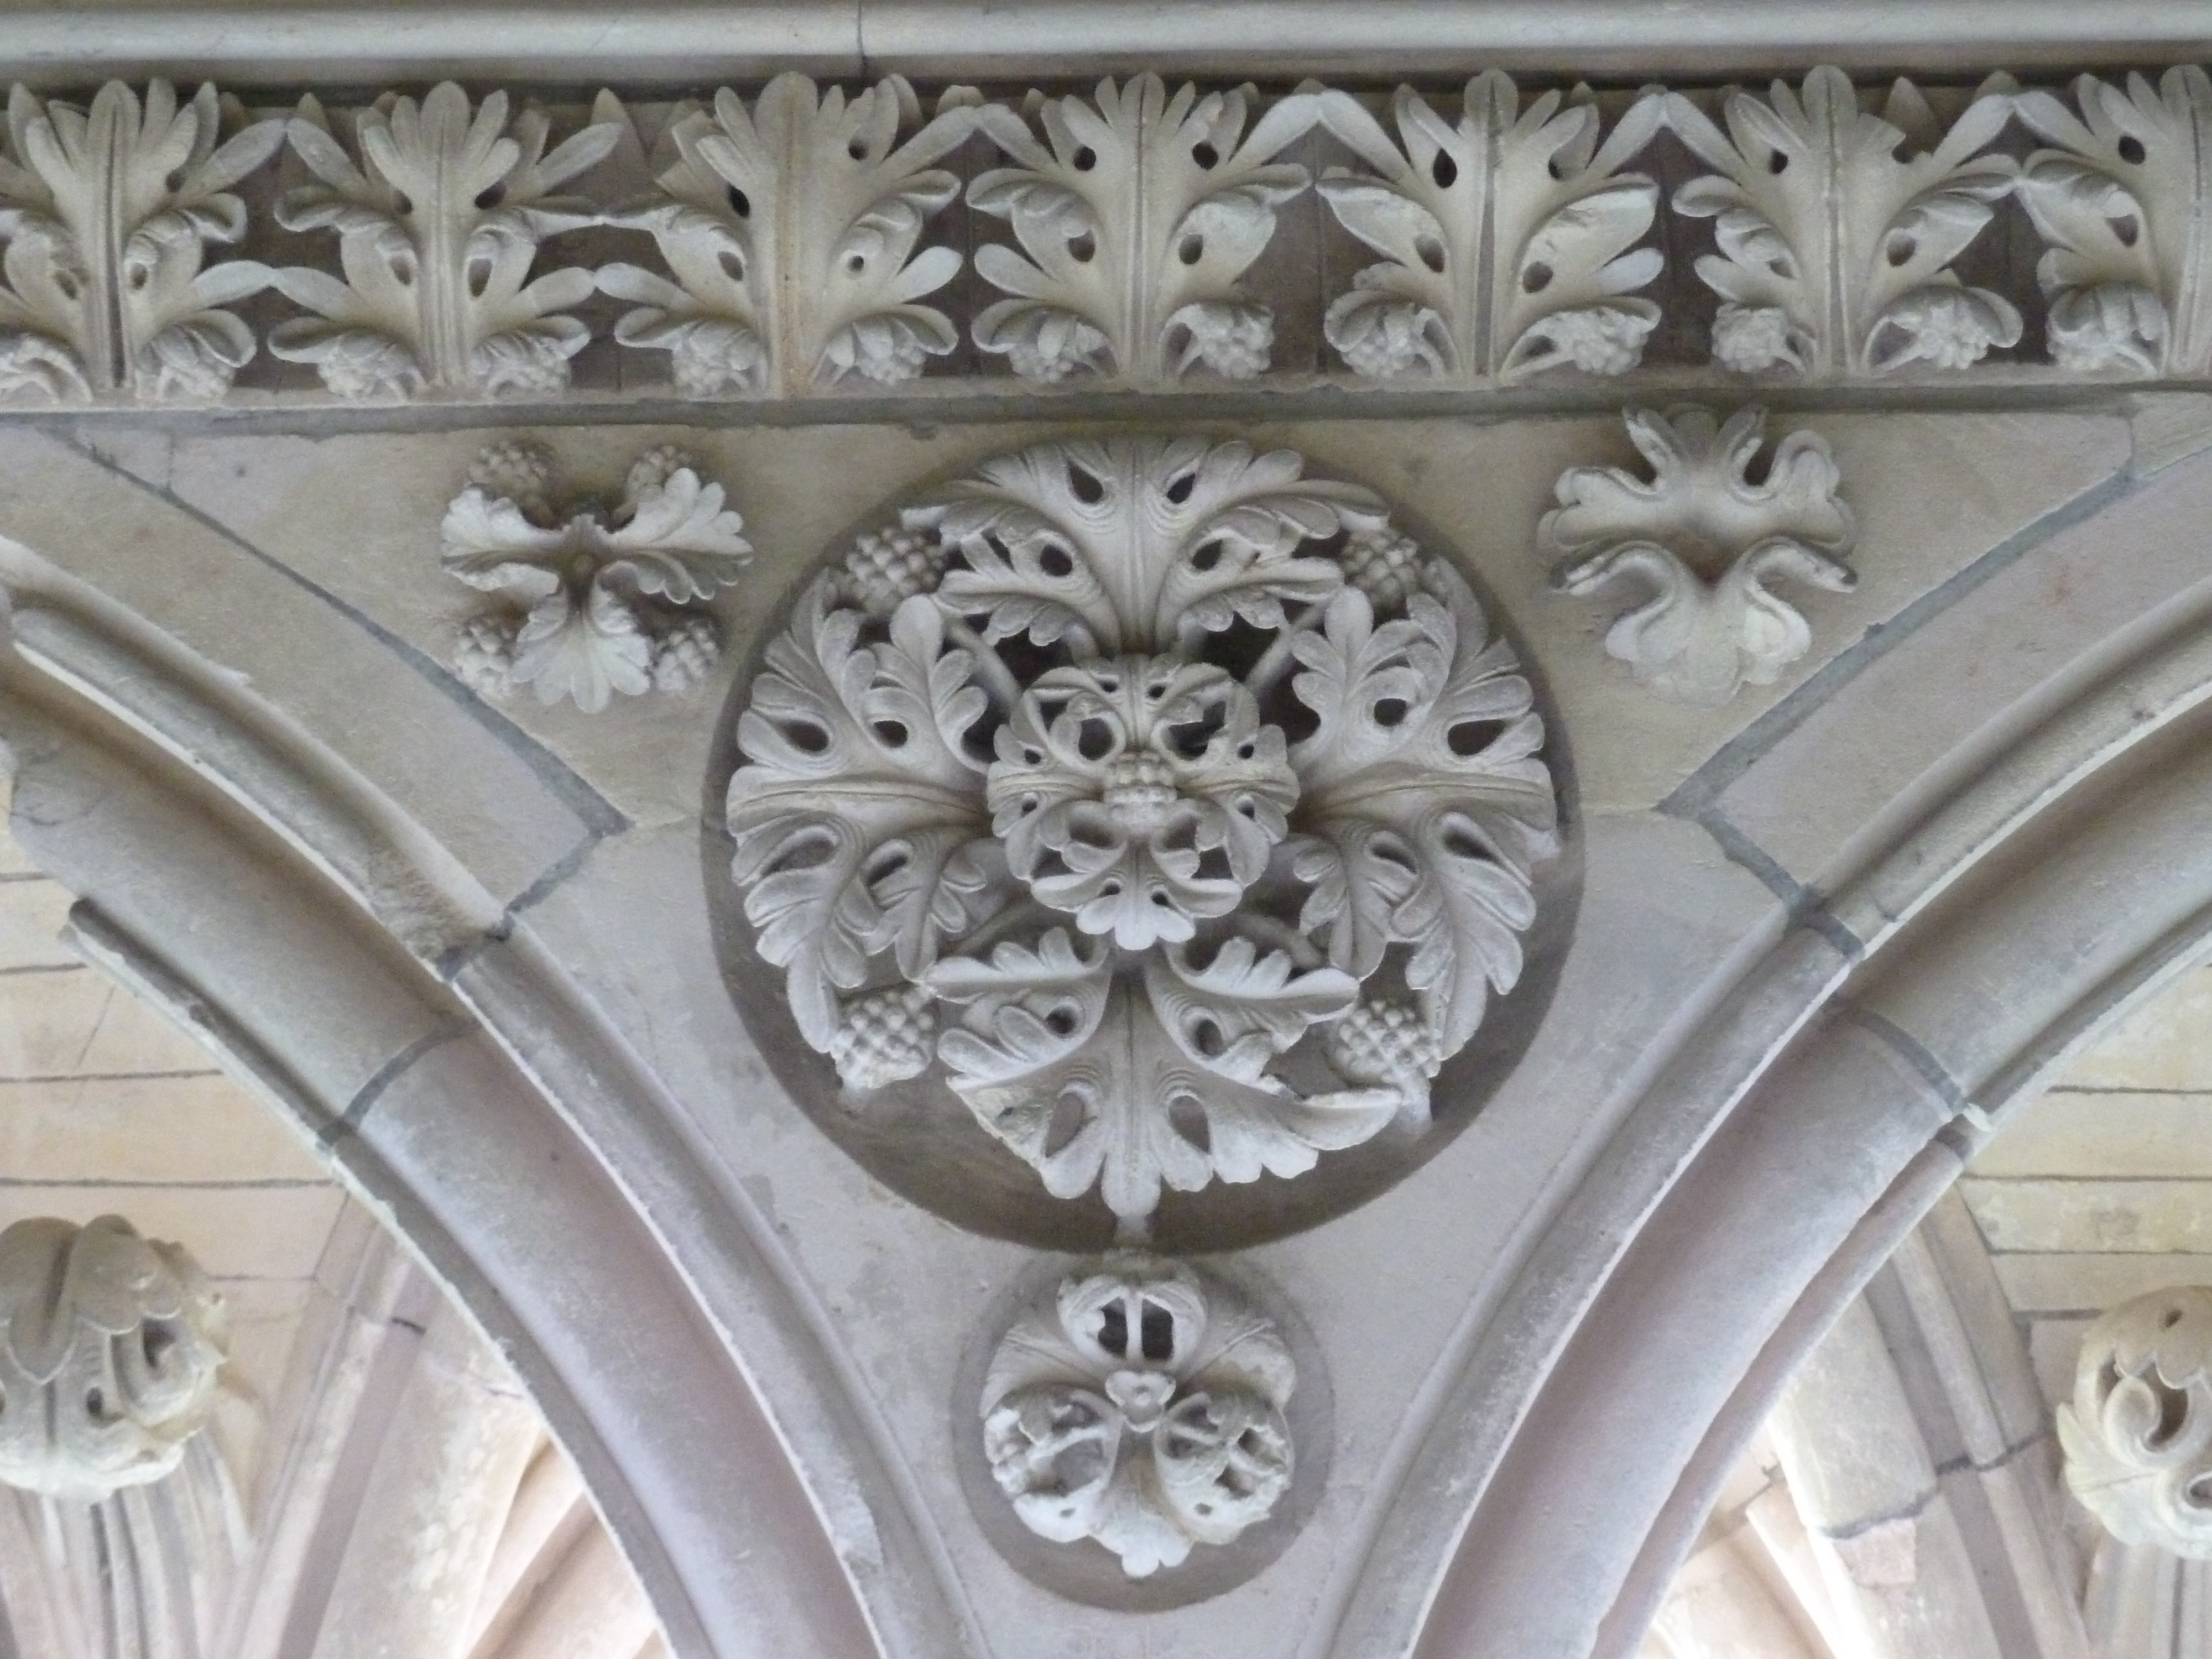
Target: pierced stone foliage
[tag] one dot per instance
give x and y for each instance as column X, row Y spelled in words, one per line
column 437, row 229
column 1706, row 543
column 1139, row 215
column 2121, row 202
column 112, row 1348
column 791, row 228
column 1507, row 238
column 1837, row 228
column 1142, row 1409
column 1201, row 798
column 107, row 213
column 2138, row 1432
column 600, row 600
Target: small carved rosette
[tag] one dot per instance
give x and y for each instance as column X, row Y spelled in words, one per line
column 1142, row 1409
column 2138, row 1432
column 1172, row 802
column 598, row 599
column 112, row 1346
column 1707, row 546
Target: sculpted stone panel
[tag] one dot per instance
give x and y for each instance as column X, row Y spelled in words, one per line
column 111, row 1348
column 1143, row 234
column 1175, row 809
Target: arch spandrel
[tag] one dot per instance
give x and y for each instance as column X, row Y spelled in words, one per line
column 1866, row 815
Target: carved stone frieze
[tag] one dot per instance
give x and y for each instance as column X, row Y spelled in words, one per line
column 111, row 1351
column 107, row 213
column 1837, row 228
column 1706, row 544
column 791, row 229
column 1138, row 214
column 1508, row 236
column 438, row 226
column 1142, row 1408
column 1174, row 802
column 805, row 240
column 2121, row 200
column 598, row 599
column 2137, row 1434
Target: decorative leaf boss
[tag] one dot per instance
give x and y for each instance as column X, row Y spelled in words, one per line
column 1175, row 804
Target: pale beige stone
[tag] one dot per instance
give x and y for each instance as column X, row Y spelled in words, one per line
column 71, row 1020
column 203, row 1128
column 2140, row 1217
column 32, row 912
column 2165, row 1044
column 2089, row 1284
column 233, row 1232
column 2059, row 1134
column 2170, row 426
column 264, row 1317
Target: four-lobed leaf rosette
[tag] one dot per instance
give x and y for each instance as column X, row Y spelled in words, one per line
column 1707, row 544
column 1171, row 802
column 600, row 600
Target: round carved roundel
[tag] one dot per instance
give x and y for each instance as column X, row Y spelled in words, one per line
column 1139, row 818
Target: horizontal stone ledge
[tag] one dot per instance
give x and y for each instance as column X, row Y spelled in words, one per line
column 965, row 401
column 689, row 44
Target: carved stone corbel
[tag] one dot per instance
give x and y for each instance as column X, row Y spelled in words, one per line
column 111, row 1351
column 2137, row 1434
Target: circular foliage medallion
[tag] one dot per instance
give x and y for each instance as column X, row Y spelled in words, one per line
column 1173, row 811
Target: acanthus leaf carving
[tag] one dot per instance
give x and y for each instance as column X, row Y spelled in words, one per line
column 2137, row 1434
column 858, row 816
column 600, row 602
column 1707, row 544
column 1000, row 758
column 438, row 226
column 1142, row 1409
column 2121, row 202
column 791, row 228
column 1836, row 228
column 1508, row 238
column 107, row 212
column 1426, row 805
column 111, row 1349
column 1138, row 216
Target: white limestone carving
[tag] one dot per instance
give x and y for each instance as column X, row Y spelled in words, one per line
column 2121, row 201
column 1708, row 545
column 600, row 600
column 438, row 228
column 2137, row 1434
column 112, row 1348
column 791, row 227
column 1138, row 214
column 107, row 213
column 1142, row 1409
column 1837, row 228
column 1003, row 759
column 1508, row 238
